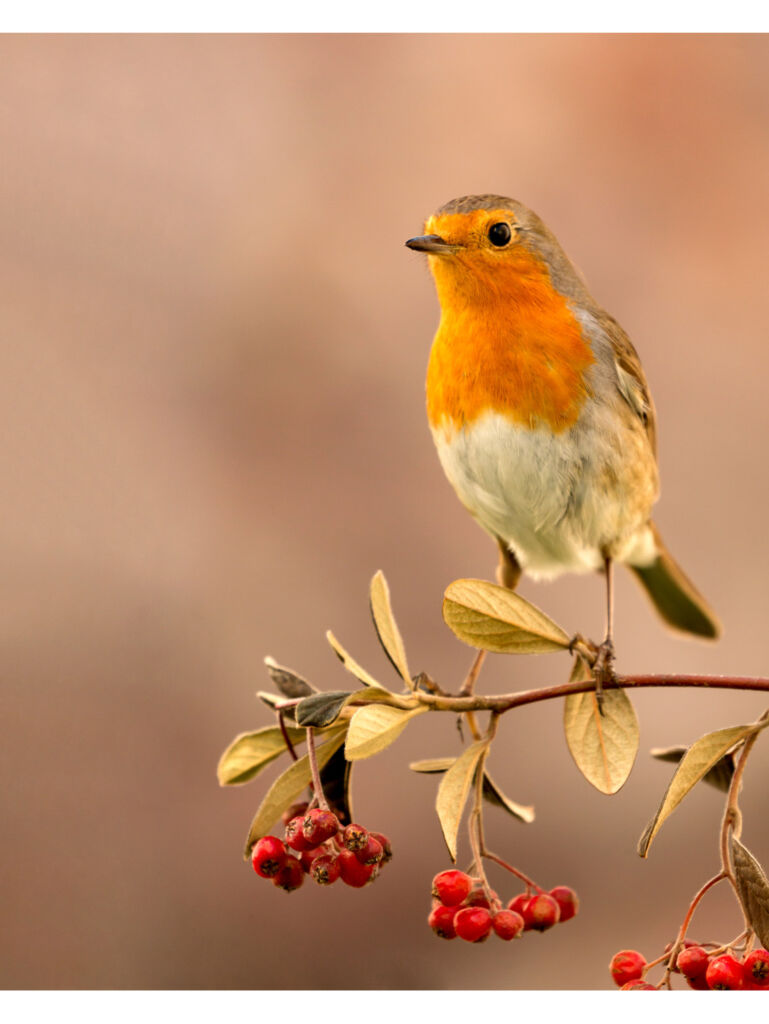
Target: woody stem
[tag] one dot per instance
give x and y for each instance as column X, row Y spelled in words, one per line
column 477, row 840
column 320, row 796
column 687, row 921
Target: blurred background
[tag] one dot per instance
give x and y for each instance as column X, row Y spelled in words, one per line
column 213, row 359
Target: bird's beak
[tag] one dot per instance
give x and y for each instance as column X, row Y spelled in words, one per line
column 431, row 244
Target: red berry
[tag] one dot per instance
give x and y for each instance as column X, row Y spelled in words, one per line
column 699, row 984
column 627, row 965
column 541, row 912
column 319, row 825
column 294, row 811
column 268, row 856
column 308, row 857
column 507, row 924
column 354, row 838
column 325, row 869
column 478, row 898
column 385, row 844
column 725, row 972
column 517, row 903
column 637, row 985
column 441, row 920
column 353, row 872
column 371, row 853
column 295, row 836
column 452, row 887
column 756, row 968
column 473, row 924
column 692, row 962
column 567, row 900
column 290, row 876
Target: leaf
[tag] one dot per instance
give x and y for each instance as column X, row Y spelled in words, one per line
column 493, row 618
column 694, row 765
column 753, row 889
column 250, row 752
column 453, row 791
column 289, row 683
column 719, row 776
column 272, row 700
column 433, row 766
column 287, row 787
column 350, row 663
column 376, row 727
column 336, row 778
column 321, row 708
column 494, row 795
column 387, row 628
column 602, row 742
column 491, row 792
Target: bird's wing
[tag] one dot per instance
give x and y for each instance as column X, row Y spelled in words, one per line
column 631, row 381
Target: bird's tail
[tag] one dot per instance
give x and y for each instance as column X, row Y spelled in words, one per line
column 674, row 596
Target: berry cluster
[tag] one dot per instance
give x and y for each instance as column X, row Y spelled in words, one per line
column 702, row 970
column 316, row 844
column 461, row 907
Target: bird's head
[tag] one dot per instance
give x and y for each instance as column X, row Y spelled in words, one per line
column 487, row 248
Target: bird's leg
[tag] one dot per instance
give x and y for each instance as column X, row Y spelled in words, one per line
column 508, row 574
column 508, row 570
column 603, row 669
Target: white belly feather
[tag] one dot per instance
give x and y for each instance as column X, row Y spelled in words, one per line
column 532, row 488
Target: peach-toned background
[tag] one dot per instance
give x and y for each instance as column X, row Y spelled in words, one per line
column 213, row 357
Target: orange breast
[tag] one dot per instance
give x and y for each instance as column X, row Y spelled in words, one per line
column 507, row 343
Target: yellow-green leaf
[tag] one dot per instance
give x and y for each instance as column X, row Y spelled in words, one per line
column 350, row 663
column 753, row 889
column 603, row 741
column 387, row 628
column 719, row 776
column 493, row 618
column 453, row 790
column 432, row 765
column 694, row 765
column 375, row 727
column 494, row 795
column 287, row 787
column 250, row 752
column 491, row 791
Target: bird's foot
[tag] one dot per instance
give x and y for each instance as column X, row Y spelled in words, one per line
column 603, row 669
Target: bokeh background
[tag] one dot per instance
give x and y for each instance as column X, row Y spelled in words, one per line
column 213, row 356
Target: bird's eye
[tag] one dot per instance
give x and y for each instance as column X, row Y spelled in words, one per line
column 500, row 234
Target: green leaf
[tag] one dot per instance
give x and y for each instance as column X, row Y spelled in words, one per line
column 603, row 742
column 387, row 628
column 694, row 765
column 250, row 752
column 453, row 791
column 350, row 663
column 376, row 727
column 321, row 708
column 289, row 683
column 753, row 890
column 493, row 618
column 491, row 791
column 287, row 787
column 494, row 795
column 719, row 776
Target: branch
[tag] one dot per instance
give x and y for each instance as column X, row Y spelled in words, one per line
column 506, row 702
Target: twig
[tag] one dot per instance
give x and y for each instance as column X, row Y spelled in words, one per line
column 316, row 783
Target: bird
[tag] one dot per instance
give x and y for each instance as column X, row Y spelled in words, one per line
column 541, row 413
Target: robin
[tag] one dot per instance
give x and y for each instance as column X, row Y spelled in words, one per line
column 540, row 410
